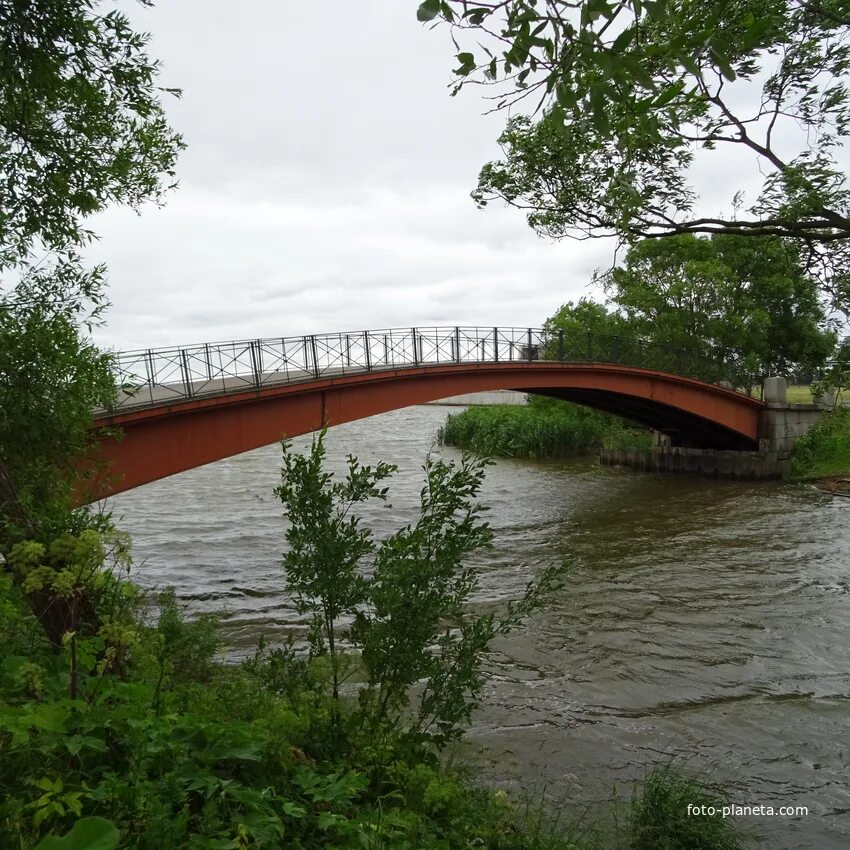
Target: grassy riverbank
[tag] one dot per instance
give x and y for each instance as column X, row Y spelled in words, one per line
column 825, row 451
column 184, row 751
column 544, row 428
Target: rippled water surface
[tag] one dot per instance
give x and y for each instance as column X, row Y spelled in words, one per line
column 702, row 618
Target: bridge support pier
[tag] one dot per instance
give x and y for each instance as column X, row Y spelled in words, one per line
column 780, row 426
column 783, row 425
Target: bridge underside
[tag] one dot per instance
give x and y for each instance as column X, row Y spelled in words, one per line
column 165, row 439
column 683, row 427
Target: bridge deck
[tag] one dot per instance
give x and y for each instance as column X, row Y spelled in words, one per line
column 165, row 376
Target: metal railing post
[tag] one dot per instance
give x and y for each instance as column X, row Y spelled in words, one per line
column 347, row 350
column 283, row 358
column 495, row 345
column 561, row 344
column 149, row 370
column 209, row 360
column 457, row 344
column 255, row 363
column 529, row 345
column 415, row 352
column 314, row 354
column 184, row 362
column 368, row 352
column 386, row 352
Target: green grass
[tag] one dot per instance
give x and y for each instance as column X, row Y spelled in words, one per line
column 825, row 451
column 797, row 393
column 800, row 394
column 660, row 818
column 542, row 429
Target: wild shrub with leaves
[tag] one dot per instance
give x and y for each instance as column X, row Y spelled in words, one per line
column 134, row 735
column 401, row 603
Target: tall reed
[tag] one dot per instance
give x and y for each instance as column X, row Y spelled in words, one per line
column 544, row 428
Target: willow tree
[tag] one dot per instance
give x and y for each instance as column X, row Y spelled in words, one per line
column 614, row 100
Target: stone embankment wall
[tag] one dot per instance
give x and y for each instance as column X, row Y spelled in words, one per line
column 706, row 462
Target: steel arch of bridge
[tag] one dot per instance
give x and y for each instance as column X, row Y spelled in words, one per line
column 185, row 406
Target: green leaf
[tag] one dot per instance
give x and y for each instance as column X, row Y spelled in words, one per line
column 722, row 63
column 598, row 109
column 655, row 9
column 608, row 64
column 293, row 810
column 50, row 718
column 76, row 743
column 566, row 96
column 690, row 64
column 637, row 70
column 85, row 834
column 598, row 9
column 467, row 64
column 623, row 40
column 327, row 820
column 667, row 95
column 428, row 10
column 756, row 32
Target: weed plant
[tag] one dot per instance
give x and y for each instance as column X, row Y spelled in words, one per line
column 825, row 450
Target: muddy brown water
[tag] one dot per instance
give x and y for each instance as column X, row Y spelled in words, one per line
column 707, row 620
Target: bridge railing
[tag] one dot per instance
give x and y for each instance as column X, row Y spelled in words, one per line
column 164, row 375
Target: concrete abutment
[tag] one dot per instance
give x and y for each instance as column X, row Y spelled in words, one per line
column 780, row 426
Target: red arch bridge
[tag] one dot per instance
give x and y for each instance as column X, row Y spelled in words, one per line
column 183, row 407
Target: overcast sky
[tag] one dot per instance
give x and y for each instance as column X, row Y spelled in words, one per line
column 325, row 185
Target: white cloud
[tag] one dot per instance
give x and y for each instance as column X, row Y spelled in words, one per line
column 325, row 186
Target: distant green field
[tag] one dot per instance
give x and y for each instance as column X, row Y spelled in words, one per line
column 799, row 394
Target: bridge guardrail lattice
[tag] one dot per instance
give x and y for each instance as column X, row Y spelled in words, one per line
column 153, row 377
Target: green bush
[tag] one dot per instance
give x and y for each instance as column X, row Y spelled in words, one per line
column 825, row 450
column 234, row 757
column 544, row 428
column 409, row 617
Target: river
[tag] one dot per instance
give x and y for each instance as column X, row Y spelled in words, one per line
column 704, row 619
